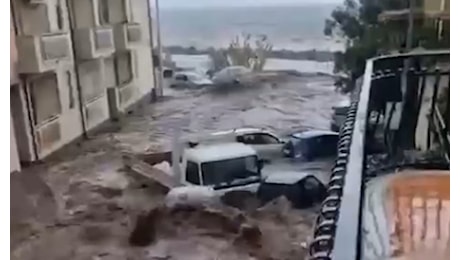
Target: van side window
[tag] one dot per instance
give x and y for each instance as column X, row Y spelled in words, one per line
column 260, row 139
column 181, row 77
column 191, row 173
column 167, row 74
column 266, row 139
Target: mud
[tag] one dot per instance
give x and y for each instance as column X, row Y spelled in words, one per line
column 264, row 234
column 94, row 205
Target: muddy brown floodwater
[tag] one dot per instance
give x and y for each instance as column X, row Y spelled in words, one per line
column 89, row 206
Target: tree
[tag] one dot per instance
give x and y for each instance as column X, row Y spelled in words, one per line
column 365, row 36
column 245, row 52
column 357, row 23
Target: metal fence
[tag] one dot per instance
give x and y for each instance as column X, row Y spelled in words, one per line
column 401, row 105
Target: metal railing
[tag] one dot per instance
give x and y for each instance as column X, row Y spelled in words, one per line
column 387, row 117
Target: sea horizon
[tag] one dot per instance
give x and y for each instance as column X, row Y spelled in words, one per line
column 289, row 27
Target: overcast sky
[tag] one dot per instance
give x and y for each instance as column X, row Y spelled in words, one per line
column 223, row 3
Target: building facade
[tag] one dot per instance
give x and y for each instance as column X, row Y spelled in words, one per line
column 14, row 79
column 79, row 64
column 431, row 19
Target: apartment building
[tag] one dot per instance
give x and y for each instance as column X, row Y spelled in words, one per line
column 426, row 13
column 79, row 64
column 14, row 80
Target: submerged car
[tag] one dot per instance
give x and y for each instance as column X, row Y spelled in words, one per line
column 302, row 189
column 312, row 144
column 231, row 75
column 267, row 144
column 190, row 79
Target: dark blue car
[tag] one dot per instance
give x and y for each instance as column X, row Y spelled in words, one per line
column 312, row 144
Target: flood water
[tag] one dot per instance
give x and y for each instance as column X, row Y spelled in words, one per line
column 98, row 205
column 283, row 105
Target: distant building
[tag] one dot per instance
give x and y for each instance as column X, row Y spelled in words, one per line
column 427, row 13
column 75, row 64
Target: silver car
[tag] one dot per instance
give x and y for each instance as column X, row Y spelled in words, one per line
column 232, row 75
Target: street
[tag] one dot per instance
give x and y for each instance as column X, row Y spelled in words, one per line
column 96, row 204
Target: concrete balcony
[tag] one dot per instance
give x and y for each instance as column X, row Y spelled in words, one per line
column 128, row 36
column 94, row 43
column 41, row 53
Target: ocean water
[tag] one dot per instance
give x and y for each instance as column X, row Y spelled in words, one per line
column 201, row 63
column 287, row 27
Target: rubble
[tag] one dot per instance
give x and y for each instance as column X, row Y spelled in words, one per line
column 95, row 233
column 144, row 232
column 254, row 235
column 250, row 235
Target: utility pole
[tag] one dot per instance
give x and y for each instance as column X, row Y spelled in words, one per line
column 159, row 49
column 407, row 123
column 410, row 27
column 409, row 40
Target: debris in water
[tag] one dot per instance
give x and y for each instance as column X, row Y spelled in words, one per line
column 144, row 232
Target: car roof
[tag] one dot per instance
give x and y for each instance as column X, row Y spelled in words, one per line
column 228, row 135
column 220, row 151
column 343, row 103
column 189, row 73
column 235, row 68
column 287, row 177
column 247, row 130
column 312, row 133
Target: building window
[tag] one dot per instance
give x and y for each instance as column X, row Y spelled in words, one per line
column 124, row 68
column 71, row 96
column 45, row 98
column 91, row 79
column 104, row 12
column 192, row 173
column 59, row 18
column 110, row 72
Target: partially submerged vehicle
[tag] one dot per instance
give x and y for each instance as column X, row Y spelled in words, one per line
column 306, row 145
column 392, row 202
column 222, row 166
column 266, row 143
column 232, row 75
column 201, row 168
column 302, row 189
column 189, row 80
column 311, row 144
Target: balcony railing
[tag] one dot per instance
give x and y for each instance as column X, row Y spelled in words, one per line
column 398, row 111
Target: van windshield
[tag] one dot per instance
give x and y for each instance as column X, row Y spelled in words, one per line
column 230, row 171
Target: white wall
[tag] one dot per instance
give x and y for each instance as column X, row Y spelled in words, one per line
column 35, row 22
column 41, row 19
column 144, row 69
column 71, row 121
column 70, row 118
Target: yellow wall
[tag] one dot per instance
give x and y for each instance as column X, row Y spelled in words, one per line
column 433, row 5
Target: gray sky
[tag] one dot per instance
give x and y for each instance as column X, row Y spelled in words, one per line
column 223, row 3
